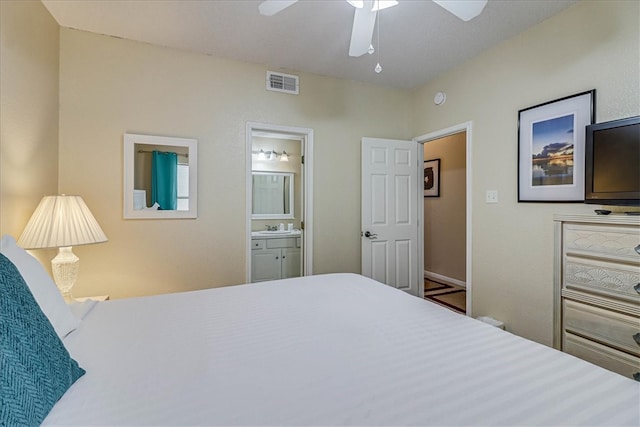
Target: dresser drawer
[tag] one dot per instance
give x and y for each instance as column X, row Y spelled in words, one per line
column 602, row 241
column 607, row 357
column 603, row 277
column 605, row 326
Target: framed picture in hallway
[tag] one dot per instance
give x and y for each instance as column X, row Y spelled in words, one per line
column 551, row 149
column 432, row 178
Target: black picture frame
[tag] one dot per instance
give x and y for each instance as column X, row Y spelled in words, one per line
column 551, row 149
column 431, row 170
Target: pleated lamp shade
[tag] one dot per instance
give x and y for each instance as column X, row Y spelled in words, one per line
column 61, row 221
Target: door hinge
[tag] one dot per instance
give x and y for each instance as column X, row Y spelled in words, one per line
column 301, row 225
column 302, row 159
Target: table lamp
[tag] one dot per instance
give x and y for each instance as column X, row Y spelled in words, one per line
column 62, row 222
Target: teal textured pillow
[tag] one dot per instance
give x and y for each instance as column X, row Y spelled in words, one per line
column 35, row 367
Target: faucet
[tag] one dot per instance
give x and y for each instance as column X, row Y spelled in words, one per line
column 271, row 227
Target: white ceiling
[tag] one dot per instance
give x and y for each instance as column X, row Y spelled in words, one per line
column 419, row 40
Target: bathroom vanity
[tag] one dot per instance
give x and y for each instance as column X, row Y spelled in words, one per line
column 275, row 255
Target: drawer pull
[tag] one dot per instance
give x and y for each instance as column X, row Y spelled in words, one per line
column 636, row 376
column 637, row 288
column 636, row 337
column 637, row 249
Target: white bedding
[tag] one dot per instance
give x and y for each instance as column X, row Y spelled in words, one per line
column 323, row 350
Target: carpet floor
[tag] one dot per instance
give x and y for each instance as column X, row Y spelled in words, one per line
column 450, row 296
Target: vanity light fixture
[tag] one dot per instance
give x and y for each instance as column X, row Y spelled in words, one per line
column 272, row 155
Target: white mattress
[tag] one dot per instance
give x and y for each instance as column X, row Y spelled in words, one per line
column 323, row 350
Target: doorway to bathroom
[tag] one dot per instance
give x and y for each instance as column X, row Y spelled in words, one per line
column 279, row 210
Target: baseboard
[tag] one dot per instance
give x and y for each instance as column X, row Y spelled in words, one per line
column 444, row 279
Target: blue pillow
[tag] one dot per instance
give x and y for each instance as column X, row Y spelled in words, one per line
column 35, row 367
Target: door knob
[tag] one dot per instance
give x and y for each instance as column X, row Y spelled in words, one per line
column 370, row 235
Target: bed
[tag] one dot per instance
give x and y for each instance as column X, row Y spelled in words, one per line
column 335, row 349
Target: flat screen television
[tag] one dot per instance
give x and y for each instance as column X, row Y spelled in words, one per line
column 612, row 163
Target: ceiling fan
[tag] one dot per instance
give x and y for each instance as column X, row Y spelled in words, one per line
column 365, row 16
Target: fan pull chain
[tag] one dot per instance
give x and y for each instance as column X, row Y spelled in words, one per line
column 378, row 68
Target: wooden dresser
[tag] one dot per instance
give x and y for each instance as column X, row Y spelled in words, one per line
column 597, row 290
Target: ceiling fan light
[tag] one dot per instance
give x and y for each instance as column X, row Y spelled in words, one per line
column 383, row 4
column 358, row 4
column 465, row 10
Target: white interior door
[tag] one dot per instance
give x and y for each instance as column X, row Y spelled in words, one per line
column 390, row 213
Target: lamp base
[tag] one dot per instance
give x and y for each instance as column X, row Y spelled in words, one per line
column 65, row 267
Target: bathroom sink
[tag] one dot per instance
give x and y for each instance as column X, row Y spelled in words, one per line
column 274, row 232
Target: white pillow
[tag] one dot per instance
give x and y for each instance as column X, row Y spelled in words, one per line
column 42, row 287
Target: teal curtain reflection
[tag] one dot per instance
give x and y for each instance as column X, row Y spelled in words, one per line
column 164, row 180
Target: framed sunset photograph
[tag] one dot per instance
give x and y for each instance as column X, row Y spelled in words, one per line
column 551, row 141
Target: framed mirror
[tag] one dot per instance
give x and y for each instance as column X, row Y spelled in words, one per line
column 272, row 195
column 160, row 177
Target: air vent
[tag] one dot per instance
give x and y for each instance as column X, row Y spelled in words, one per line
column 282, row 82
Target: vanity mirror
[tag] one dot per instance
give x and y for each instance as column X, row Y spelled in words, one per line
column 272, row 195
column 160, row 177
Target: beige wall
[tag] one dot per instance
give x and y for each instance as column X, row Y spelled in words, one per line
column 590, row 45
column 445, row 239
column 110, row 86
column 29, row 45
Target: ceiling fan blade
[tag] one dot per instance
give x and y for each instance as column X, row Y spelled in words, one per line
column 364, row 20
column 463, row 9
column 271, row 7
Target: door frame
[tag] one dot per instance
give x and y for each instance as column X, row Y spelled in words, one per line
column 305, row 136
column 462, row 127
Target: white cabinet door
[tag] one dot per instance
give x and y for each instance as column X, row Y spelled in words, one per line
column 266, row 265
column 389, row 213
column 290, row 262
